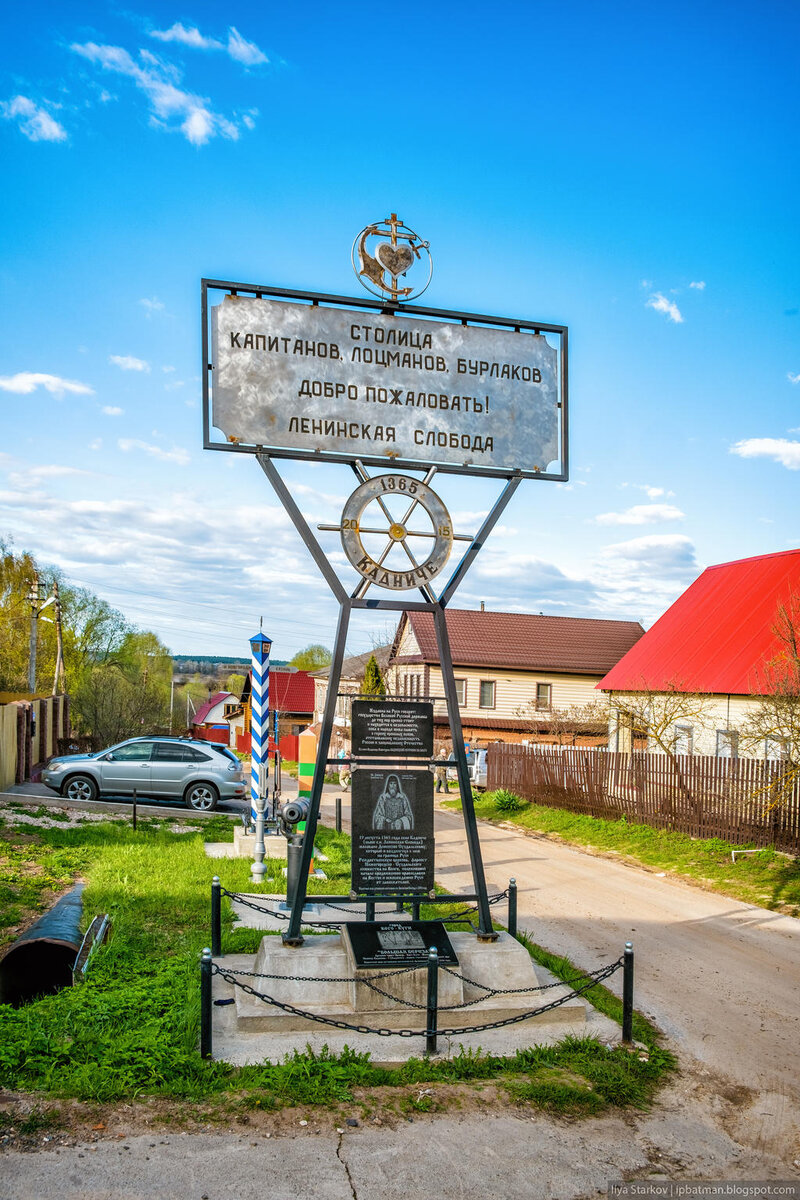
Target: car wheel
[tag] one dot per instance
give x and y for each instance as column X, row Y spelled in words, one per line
column 202, row 797
column 80, row 787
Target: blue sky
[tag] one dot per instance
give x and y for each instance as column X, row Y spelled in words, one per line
column 630, row 171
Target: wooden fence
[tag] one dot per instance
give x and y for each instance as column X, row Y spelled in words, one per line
column 742, row 800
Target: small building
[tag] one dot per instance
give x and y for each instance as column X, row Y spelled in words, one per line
column 210, row 722
column 514, row 672
column 705, row 665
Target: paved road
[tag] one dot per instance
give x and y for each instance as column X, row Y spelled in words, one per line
column 155, row 808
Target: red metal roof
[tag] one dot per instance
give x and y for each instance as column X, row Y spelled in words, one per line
column 718, row 635
column 204, row 709
column 289, row 691
column 523, row 641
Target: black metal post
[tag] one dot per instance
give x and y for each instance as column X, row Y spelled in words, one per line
column 398, row 905
column 370, row 911
column 415, row 910
column 338, row 814
column 134, row 808
column 627, row 993
column 297, row 898
column 205, row 1004
column 216, row 917
column 512, row 907
column 485, row 930
column 433, row 1000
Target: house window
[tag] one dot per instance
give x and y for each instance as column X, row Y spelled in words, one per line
column 727, row 743
column 684, row 739
column 487, row 693
column 544, row 695
column 461, row 691
column 776, row 749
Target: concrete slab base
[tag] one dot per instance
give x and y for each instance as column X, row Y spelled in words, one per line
column 319, row 978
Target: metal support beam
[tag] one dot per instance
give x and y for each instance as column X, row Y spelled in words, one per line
column 302, row 527
column 480, row 537
column 485, row 930
column 293, row 937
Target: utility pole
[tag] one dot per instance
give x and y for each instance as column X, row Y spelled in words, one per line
column 33, row 597
column 59, row 682
column 37, row 608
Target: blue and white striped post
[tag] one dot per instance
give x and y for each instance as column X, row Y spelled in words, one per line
column 260, row 646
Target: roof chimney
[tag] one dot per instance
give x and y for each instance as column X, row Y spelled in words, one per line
column 483, row 607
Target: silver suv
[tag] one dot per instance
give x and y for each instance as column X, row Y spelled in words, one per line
column 199, row 773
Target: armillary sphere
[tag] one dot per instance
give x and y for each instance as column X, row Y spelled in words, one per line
column 387, row 527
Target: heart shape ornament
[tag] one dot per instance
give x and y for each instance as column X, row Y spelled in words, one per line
column 395, row 259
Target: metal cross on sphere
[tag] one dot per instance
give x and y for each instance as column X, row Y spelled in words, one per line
column 398, row 497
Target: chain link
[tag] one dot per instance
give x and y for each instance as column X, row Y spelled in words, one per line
column 284, row 916
column 596, row 977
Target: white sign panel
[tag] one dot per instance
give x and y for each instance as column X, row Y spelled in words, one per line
column 300, row 377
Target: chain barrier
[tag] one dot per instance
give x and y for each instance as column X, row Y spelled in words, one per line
column 284, row 916
column 595, row 977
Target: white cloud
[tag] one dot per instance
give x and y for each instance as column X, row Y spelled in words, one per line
column 96, row 444
column 236, row 47
column 186, row 36
column 46, row 471
column 793, row 378
column 177, row 454
column 126, row 362
column 661, row 304
column 25, row 382
column 246, row 53
column 111, row 410
column 641, row 514
column 170, row 107
column 780, row 450
column 152, row 305
column 34, row 122
column 700, row 285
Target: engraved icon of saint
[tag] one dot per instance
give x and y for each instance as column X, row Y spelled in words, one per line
column 393, row 810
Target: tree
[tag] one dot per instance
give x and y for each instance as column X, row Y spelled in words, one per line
column 373, row 684
column 564, row 725
column 312, row 658
column 235, row 684
column 776, row 718
column 661, row 715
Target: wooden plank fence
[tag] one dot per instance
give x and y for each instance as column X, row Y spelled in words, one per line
column 742, row 800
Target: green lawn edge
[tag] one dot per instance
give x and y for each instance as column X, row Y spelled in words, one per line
column 131, row 1030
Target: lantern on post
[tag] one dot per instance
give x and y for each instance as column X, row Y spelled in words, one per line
column 260, row 646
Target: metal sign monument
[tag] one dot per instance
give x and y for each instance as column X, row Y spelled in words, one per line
column 387, row 385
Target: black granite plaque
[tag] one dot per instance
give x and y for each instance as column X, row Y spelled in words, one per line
column 392, row 831
column 392, row 728
column 398, row 943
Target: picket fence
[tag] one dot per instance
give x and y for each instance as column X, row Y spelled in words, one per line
column 742, row 800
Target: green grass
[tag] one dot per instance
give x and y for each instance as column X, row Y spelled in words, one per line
column 131, row 1030
column 766, row 878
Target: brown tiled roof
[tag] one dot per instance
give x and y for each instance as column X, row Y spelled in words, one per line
column 525, row 641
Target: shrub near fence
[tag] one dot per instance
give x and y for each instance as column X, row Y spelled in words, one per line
column 742, row 800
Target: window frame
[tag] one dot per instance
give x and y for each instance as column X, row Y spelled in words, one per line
column 549, row 689
column 492, row 683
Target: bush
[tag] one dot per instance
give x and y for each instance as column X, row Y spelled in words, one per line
column 507, row 801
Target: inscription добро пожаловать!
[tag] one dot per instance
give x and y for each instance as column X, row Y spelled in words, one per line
column 293, row 376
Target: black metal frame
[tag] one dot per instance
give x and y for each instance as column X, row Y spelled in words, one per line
column 347, row 603
column 435, row 606
column 357, row 303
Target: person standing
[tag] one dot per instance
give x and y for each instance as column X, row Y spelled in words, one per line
column 440, row 771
